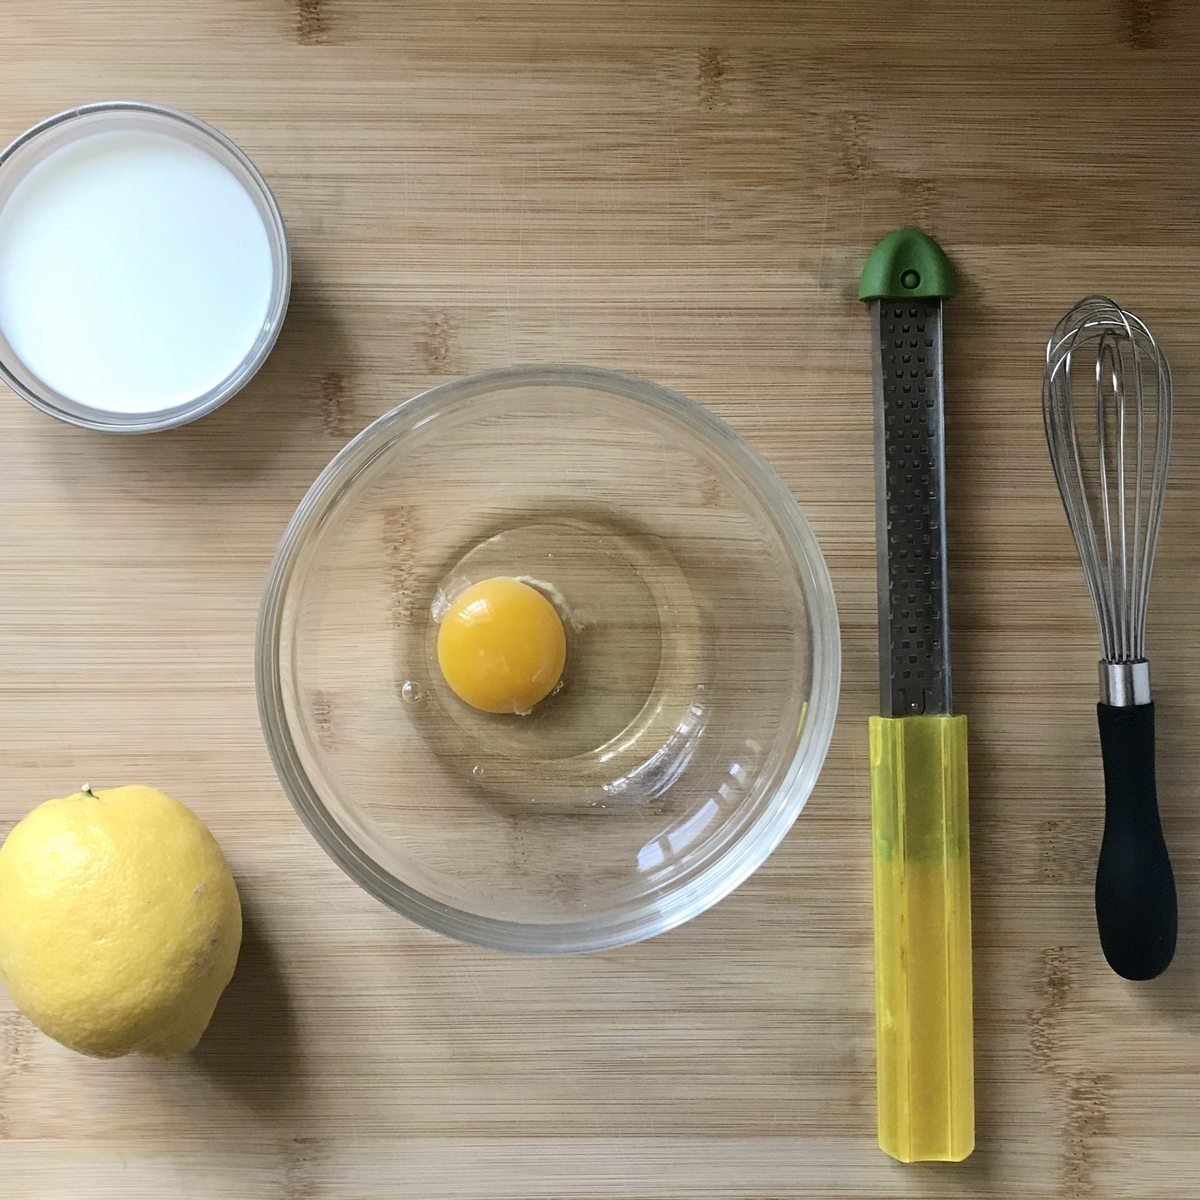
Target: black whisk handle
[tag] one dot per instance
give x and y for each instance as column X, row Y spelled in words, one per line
column 1136, row 908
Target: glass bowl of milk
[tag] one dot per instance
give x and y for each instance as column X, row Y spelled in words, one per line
column 144, row 267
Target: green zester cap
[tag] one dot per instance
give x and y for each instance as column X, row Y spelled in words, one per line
column 907, row 264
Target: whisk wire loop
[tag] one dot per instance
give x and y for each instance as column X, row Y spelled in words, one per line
column 1113, row 482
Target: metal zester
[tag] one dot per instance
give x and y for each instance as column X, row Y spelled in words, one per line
column 919, row 816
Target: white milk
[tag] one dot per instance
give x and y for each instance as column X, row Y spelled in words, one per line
column 135, row 271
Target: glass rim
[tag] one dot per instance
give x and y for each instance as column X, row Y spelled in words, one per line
column 47, row 400
column 711, row 883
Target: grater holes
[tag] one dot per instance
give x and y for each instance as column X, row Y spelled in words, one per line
column 913, row 588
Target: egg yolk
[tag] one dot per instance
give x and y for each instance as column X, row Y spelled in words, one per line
column 501, row 646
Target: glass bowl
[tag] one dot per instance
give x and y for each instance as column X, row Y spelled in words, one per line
column 24, row 156
column 702, row 669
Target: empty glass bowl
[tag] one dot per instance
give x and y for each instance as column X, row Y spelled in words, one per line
column 701, row 683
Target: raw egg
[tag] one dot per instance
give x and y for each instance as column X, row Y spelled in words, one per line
column 501, row 647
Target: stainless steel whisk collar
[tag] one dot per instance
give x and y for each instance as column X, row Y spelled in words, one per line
column 1113, row 482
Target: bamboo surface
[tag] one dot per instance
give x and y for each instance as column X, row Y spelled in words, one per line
column 686, row 190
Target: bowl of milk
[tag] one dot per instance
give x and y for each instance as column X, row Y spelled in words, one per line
column 144, row 267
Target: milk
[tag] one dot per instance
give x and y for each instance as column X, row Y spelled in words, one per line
column 135, row 271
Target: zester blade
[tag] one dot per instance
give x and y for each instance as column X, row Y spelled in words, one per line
column 910, row 469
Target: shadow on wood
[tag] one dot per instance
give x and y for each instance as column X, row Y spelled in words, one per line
column 251, row 1047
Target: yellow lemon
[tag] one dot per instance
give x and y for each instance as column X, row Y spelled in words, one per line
column 119, row 922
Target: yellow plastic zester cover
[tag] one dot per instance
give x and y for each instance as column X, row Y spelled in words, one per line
column 922, row 896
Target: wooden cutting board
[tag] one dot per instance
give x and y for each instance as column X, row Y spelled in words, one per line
column 684, row 189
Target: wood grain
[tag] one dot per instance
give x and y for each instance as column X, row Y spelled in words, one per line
column 684, row 189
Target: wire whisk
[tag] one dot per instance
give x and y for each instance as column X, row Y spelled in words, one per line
column 1110, row 448
column 1106, row 397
